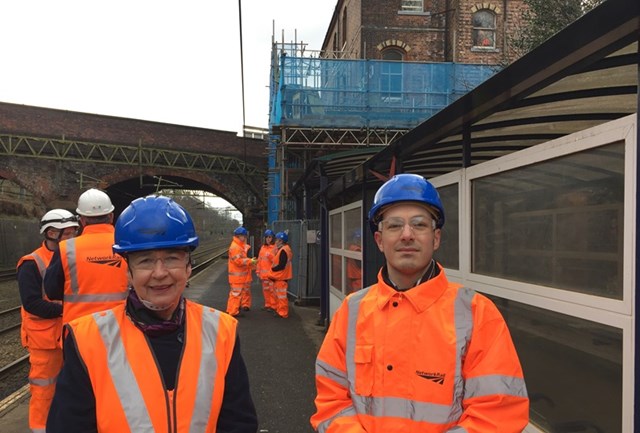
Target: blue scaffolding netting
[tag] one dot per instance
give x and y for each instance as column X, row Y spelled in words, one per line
column 317, row 92
column 307, row 92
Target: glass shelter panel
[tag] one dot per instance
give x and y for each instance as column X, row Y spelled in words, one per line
column 557, row 223
column 572, row 367
column 336, row 271
column 336, row 230
column 448, row 255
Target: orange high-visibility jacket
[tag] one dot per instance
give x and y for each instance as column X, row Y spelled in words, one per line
column 284, row 274
column 95, row 277
column 37, row 332
column 128, row 387
column 435, row 358
column 265, row 259
column 239, row 265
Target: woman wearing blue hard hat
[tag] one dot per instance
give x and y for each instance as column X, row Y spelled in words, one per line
column 160, row 362
column 265, row 259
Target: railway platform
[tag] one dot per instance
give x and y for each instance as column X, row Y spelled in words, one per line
column 279, row 354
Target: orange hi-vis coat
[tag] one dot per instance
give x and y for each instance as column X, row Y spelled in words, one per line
column 239, row 268
column 435, row 358
column 265, row 260
column 284, row 274
column 130, row 394
column 281, row 280
column 95, row 277
column 36, row 332
column 239, row 265
column 42, row 338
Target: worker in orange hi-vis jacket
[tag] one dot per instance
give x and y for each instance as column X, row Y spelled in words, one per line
column 280, row 273
column 354, row 266
column 239, row 268
column 41, row 329
column 414, row 351
column 265, row 258
column 85, row 273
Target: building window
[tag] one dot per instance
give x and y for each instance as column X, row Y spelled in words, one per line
column 415, row 6
column 391, row 74
column 484, row 29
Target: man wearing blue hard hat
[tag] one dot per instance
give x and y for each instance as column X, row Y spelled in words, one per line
column 239, row 268
column 280, row 273
column 414, row 351
column 159, row 362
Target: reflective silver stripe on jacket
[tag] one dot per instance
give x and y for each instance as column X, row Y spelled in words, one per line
column 102, row 297
column 238, row 274
column 73, row 266
column 418, row 410
column 42, row 268
column 124, row 380
column 207, row 371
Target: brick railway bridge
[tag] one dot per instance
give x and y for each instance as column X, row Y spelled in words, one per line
column 57, row 154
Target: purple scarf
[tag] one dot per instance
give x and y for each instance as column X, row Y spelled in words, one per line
column 148, row 321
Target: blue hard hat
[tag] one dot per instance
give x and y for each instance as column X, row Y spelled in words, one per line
column 282, row 236
column 240, row 231
column 405, row 187
column 269, row 232
column 154, row 222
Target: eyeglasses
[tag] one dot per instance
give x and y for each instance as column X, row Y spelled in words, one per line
column 176, row 260
column 418, row 225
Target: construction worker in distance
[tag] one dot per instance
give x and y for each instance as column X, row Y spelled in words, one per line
column 41, row 328
column 280, row 273
column 416, row 352
column 354, row 266
column 239, row 268
column 265, row 258
column 85, row 273
column 159, row 362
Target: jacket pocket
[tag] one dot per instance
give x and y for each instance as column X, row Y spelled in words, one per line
column 42, row 334
column 363, row 359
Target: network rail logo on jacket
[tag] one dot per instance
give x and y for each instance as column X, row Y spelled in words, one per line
column 106, row 260
column 433, row 377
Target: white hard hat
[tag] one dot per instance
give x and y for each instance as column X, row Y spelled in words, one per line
column 94, row 202
column 58, row 219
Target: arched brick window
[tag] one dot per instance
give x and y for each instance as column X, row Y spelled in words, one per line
column 391, row 73
column 484, row 29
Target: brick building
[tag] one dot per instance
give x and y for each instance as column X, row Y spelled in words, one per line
column 459, row 31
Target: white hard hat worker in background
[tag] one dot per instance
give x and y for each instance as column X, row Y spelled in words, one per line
column 159, row 362
column 42, row 318
column 414, row 351
column 94, row 202
column 85, row 273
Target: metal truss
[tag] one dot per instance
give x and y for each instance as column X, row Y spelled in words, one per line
column 337, row 138
column 102, row 153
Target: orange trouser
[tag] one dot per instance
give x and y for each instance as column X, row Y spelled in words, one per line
column 239, row 296
column 282, row 303
column 269, row 294
column 45, row 366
